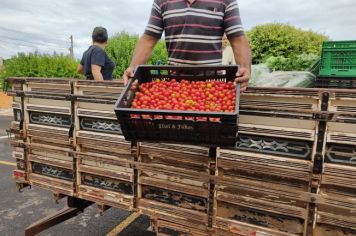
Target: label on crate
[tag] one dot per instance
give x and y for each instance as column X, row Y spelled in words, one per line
column 175, row 126
column 52, row 171
column 56, row 120
column 341, row 154
column 107, row 183
column 175, row 198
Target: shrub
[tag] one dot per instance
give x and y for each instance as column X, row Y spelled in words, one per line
column 295, row 63
column 2, row 78
column 39, row 65
column 121, row 47
column 282, row 40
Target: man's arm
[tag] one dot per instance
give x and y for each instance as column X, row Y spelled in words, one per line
column 80, row 69
column 242, row 52
column 142, row 53
column 96, row 71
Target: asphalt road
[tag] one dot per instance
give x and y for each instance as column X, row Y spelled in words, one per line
column 19, row 210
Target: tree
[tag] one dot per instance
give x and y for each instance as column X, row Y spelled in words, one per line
column 121, row 47
column 283, row 40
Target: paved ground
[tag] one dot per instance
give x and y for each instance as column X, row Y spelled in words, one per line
column 19, row 210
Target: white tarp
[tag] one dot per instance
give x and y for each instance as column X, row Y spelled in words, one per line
column 262, row 77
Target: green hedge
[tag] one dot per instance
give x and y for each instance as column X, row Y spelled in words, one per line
column 39, row 65
column 120, row 49
column 282, row 40
column 2, row 78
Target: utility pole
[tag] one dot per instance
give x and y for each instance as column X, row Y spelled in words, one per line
column 71, row 49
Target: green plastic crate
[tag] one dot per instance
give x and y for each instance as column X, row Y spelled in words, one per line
column 338, row 59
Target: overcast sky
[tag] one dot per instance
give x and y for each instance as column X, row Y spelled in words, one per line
column 46, row 26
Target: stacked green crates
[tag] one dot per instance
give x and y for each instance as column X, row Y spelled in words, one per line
column 338, row 65
column 338, row 59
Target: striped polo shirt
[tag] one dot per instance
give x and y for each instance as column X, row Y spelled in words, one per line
column 193, row 32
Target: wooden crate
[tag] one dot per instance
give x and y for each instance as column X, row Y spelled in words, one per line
column 52, row 155
column 19, row 155
column 232, row 228
column 48, row 110
column 326, row 230
column 279, row 113
column 106, row 191
column 272, row 210
column 50, row 86
column 53, row 178
column 102, row 122
column 342, row 102
column 168, row 228
column 105, row 169
column 16, row 131
column 262, row 192
column 280, row 169
column 17, row 108
column 107, row 89
column 337, row 214
column 52, row 166
column 174, row 180
column 48, row 122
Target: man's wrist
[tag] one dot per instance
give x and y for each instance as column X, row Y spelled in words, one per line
column 131, row 67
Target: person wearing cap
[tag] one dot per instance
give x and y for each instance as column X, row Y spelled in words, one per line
column 95, row 63
column 193, row 32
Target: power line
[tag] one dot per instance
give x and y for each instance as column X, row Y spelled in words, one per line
column 49, row 36
column 30, row 46
column 34, row 43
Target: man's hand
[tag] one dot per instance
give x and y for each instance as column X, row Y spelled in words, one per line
column 129, row 73
column 243, row 76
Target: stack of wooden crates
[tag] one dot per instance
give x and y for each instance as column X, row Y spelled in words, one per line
column 293, row 171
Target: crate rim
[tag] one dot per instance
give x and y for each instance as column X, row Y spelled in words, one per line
column 339, row 41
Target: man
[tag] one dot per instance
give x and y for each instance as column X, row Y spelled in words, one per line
column 228, row 57
column 193, row 33
column 96, row 64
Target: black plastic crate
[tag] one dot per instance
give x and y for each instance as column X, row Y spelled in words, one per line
column 335, row 82
column 160, row 127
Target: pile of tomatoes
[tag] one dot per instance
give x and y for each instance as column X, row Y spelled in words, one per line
column 205, row 96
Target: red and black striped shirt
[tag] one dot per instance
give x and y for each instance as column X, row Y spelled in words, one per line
column 193, row 32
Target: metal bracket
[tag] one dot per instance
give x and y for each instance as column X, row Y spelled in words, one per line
column 70, row 97
column 58, row 196
column 311, row 219
column 71, row 130
column 318, row 163
column 103, row 208
column 20, row 94
column 75, row 207
column 213, row 153
column 21, row 186
column 324, row 116
column 135, row 155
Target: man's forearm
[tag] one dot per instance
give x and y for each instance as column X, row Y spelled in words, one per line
column 143, row 50
column 242, row 51
column 98, row 76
